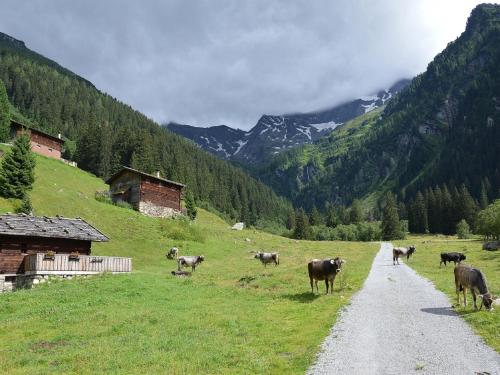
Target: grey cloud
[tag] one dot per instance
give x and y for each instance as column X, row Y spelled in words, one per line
column 228, row 62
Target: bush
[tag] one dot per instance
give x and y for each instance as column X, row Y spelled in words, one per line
column 363, row 231
column 488, row 221
column 181, row 230
column 463, row 230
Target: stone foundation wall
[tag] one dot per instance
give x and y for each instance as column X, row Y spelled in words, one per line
column 12, row 283
column 150, row 209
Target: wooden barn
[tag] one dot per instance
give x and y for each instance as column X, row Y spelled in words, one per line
column 22, row 235
column 41, row 143
column 149, row 194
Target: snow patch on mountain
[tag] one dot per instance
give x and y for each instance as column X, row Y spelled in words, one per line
column 327, row 125
column 240, row 146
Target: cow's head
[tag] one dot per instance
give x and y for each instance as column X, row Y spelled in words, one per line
column 412, row 249
column 462, row 257
column 258, row 255
column 487, row 300
column 201, row 258
column 337, row 263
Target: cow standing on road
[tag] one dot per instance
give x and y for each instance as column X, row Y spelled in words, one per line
column 402, row 251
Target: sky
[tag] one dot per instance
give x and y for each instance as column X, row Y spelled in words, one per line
column 215, row 62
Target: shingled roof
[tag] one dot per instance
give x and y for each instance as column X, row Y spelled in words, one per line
column 51, row 227
column 110, row 180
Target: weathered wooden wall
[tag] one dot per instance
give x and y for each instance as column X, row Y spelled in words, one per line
column 126, row 188
column 13, row 249
column 161, row 194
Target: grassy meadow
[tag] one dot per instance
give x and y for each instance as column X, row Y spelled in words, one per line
column 426, row 263
column 233, row 316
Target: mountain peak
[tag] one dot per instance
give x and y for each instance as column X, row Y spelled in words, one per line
column 274, row 134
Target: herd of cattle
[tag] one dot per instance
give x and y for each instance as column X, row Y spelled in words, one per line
column 466, row 277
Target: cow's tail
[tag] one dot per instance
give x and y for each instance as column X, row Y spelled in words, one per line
column 277, row 258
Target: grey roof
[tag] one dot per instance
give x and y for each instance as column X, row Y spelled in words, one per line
column 110, row 180
column 51, row 227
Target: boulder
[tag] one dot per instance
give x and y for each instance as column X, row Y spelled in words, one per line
column 491, row 246
column 238, row 226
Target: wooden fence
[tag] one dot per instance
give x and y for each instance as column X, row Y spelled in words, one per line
column 83, row 264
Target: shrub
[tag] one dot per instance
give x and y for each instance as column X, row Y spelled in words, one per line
column 463, row 230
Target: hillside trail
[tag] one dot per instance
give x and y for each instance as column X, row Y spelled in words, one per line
column 398, row 323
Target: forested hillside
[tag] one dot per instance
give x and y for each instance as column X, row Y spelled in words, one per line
column 442, row 129
column 105, row 134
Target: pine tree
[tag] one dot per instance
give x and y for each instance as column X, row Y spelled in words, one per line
column 420, row 214
column 483, row 199
column 463, row 230
column 26, row 206
column 315, row 217
column 332, row 219
column 17, row 173
column 302, row 229
column 390, row 220
column 190, row 206
column 356, row 213
column 4, row 114
column 290, row 223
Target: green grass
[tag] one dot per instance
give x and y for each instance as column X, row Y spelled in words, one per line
column 426, row 263
column 232, row 317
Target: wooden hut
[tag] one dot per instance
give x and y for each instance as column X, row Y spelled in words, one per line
column 41, row 142
column 22, row 235
column 149, row 194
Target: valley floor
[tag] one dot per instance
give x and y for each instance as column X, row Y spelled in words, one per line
column 400, row 324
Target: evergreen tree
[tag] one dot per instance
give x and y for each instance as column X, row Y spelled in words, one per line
column 290, row 223
column 315, row 217
column 448, row 226
column 4, row 114
column 390, row 220
column 466, row 207
column 332, row 219
column 356, row 213
column 302, row 230
column 17, row 173
column 420, row 214
column 26, row 206
column 483, row 199
column 190, row 206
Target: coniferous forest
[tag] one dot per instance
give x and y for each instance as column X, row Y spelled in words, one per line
column 103, row 134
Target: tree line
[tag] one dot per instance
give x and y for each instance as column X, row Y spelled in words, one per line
column 102, row 134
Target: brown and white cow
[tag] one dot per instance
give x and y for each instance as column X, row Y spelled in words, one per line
column 402, row 251
column 326, row 269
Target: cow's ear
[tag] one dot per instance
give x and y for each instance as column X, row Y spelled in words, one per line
column 332, row 261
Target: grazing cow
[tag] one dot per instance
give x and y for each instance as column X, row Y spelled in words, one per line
column 467, row 277
column 190, row 261
column 451, row 257
column 173, row 253
column 324, row 270
column 266, row 258
column 402, row 251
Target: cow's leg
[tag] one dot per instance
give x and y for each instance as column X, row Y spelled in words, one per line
column 465, row 296
column 474, row 297
column 457, row 289
column 312, row 287
column 316, row 282
column 326, row 283
column 440, row 263
column 193, row 267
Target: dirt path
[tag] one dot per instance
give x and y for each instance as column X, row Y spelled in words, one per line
column 398, row 323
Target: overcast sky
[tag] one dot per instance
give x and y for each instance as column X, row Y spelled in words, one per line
column 228, row 62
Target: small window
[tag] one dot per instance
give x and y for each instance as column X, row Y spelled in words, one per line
column 38, row 145
column 24, row 247
column 50, row 149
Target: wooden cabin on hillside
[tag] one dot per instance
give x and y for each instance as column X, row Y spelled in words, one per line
column 149, row 194
column 41, row 142
column 32, row 249
column 21, row 235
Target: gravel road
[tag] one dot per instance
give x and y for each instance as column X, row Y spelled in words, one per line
column 398, row 323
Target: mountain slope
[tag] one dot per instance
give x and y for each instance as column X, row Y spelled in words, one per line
column 274, row 134
column 443, row 128
column 109, row 134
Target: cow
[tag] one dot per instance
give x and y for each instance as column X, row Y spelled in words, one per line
column 173, row 253
column 266, row 258
column 467, row 277
column 189, row 261
column 326, row 269
column 402, row 251
column 451, row 257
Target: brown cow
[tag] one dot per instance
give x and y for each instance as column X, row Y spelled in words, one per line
column 324, row 270
column 467, row 277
